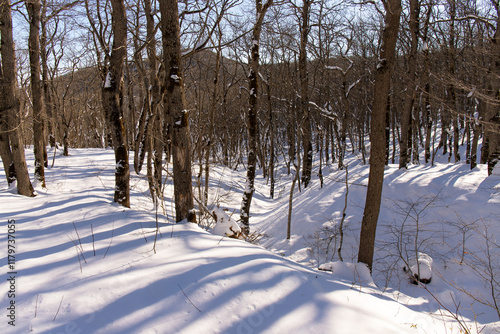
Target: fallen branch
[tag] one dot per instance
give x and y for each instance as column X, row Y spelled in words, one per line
column 188, row 298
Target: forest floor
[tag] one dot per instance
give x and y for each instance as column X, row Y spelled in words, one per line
column 82, row 264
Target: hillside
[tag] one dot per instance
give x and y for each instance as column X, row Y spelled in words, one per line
column 84, row 264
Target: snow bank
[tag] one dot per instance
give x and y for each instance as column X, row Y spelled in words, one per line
column 224, row 225
column 355, row 272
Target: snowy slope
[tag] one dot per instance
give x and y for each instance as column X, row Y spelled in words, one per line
column 452, row 207
column 85, row 265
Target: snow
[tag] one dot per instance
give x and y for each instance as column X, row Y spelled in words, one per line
column 425, row 47
column 496, row 169
column 420, row 268
column 108, row 81
column 86, row 265
column 224, row 225
column 337, row 68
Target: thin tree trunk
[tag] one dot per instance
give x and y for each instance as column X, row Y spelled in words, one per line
column 406, row 120
column 475, row 140
column 291, row 136
column 387, row 130
column 157, row 118
column 253, row 84
column 377, row 133
column 304, row 96
column 451, row 95
column 33, row 8
column 427, row 85
column 271, row 137
column 112, row 93
column 290, row 203
column 211, row 120
column 49, row 104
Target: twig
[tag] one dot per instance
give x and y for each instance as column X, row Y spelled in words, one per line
column 458, row 318
column 188, row 298
column 157, row 227
column 110, row 241
column 341, row 228
column 36, row 305
column 80, row 241
column 143, row 233
column 54, row 157
column 93, row 244
column 77, row 252
column 55, row 316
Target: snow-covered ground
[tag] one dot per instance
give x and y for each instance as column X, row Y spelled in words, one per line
column 86, row 265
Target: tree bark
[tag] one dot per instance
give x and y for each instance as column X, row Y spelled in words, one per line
column 406, row 120
column 112, row 93
column 211, row 126
column 377, row 132
column 176, row 112
column 48, row 99
column 450, row 89
column 253, row 84
column 33, row 7
column 304, row 96
column 9, row 106
column 427, row 86
column 491, row 142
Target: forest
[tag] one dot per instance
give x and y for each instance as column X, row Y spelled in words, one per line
column 277, row 90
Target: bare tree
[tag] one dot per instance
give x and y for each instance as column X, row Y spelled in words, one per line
column 112, row 73
column 33, row 7
column 406, row 121
column 304, row 94
column 176, row 112
column 112, row 93
column 377, row 131
column 491, row 144
column 11, row 145
column 253, row 84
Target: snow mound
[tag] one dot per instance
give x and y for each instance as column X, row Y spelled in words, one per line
column 354, row 272
column 496, row 169
column 224, row 225
column 420, row 269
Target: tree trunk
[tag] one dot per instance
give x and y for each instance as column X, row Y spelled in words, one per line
column 491, row 141
column 450, row 90
column 5, row 151
column 427, row 86
column 406, row 119
column 49, row 104
column 477, row 127
column 271, row 136
column 253, row 84
column 304, row 96
column 9, row 106
column 112, row 93
column 176, row 111
column 33, row 7
column 377, row 133
column 211, row 125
